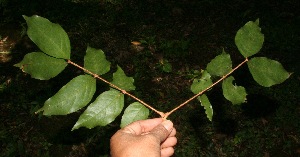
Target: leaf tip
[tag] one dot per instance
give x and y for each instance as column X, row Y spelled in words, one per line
column 25, row 17
column 257, row 21
column 74, row 128
column 17, row 65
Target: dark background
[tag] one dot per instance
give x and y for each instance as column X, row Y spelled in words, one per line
column 186, row 33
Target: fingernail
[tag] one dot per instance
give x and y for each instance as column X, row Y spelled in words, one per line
column 167, row 124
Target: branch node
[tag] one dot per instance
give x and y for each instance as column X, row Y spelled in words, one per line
column 123, row 91
column 96, row 76
column 208, row 88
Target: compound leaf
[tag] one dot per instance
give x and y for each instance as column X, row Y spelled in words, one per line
column 199, row 85
column 48, row 36
column 122, row 81
column 134, row 112
column 249, row 39
column 41, row 66
column 233, row 93
column 102, row 111
column 207, row 106
column 220, row 65
column 95, row 61
column 71, row 97
column 267, row 72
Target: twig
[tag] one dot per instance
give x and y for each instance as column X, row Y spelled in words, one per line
column 116, row 87
column 200, row 93
column 163, row 115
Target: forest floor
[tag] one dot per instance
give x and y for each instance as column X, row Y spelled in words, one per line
column 186, row 34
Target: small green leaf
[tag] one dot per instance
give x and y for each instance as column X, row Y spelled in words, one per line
column 134, row 112
column 48, row 36
column 220, row 65
column 71, row 97
column 249, row 39
column 167, row 67
column 122, row 81
column 102, row 111
column 233, row 93
column 267, row 72
column 95, row 61
column 41, row 66
column 202, row 83
column 207, row 106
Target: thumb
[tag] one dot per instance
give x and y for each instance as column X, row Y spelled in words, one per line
column 163, row 130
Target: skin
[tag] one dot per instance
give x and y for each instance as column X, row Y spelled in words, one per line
column 144, row 138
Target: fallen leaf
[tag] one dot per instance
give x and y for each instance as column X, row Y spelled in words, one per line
column 136, row 43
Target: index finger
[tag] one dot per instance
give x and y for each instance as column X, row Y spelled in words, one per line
column 142, row 126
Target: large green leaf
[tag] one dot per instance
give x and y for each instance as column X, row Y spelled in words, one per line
column 122, row 81
column 199, row 85
column 41, row 66
column 102, row 111
column 73, row 96
column 267, row 72
column 249, row 39
column 207, row 106
column 48, row 36
column 95, row 61
column 134, row 112
column 233, row 93
column 220, row 65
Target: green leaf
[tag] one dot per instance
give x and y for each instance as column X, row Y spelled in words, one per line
column 167, row 67
column 41, row 66
column 207, row 106
column 267, row 72
column 71, row 97
column 48, row 36
column 233, row 93
column 95, row 61
column 102, row 111
column 249, row 39
column 199, row 85
column 134, row 112
column 220, row 65
column 122, row 81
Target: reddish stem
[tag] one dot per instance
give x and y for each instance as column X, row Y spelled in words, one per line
column 200, row 93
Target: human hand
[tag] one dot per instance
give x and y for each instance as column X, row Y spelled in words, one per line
column 144, row 138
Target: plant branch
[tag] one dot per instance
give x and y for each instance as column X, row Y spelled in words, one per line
column 200, row 93
column 116, row 87
column 163, row 115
